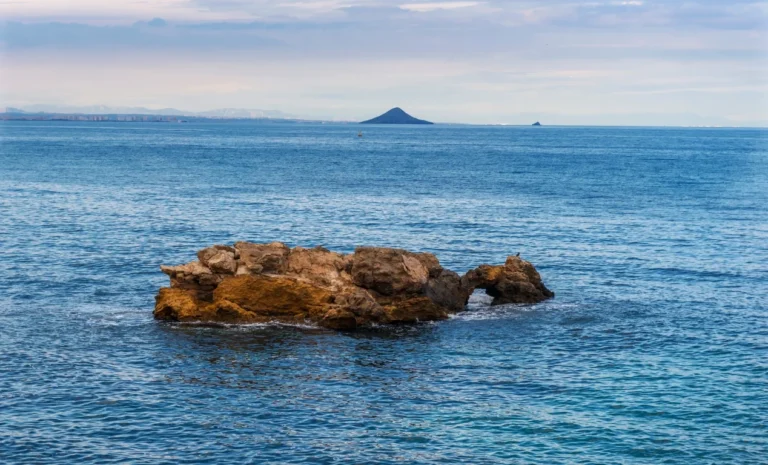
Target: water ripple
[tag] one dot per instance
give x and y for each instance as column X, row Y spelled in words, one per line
column 654, row 350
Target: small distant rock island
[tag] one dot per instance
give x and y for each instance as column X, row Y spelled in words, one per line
column 395, row 116
column 536, row 124
column 260, row 283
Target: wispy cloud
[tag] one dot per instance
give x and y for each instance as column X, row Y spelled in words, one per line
column 494, row 56
column 425, row 7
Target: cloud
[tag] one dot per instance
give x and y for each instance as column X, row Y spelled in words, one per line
column 493, row 57
column 712, row 14
column 151, row 35
column 425, row 7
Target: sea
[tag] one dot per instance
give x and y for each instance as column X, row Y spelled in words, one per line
column 654, row 350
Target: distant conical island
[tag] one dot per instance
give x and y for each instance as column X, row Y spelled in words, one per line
column 395, row 116
column 536, row 124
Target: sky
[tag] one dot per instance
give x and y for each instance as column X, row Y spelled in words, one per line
column 615, row 62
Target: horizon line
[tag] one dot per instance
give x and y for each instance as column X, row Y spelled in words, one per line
column 214, row 119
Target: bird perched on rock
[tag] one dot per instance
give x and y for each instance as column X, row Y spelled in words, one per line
column 518, row 254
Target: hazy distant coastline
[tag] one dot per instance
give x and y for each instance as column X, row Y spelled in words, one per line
column 228, row 113
column 135, row 118
column 144, row 115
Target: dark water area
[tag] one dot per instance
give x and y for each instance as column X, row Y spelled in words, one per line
column 655, row 350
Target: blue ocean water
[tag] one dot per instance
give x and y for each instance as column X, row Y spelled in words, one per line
column 654, row 351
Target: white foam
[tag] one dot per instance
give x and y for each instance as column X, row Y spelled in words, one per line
column 484, row 311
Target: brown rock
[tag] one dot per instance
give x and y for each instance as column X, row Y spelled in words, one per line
column 262, row 258
column 176, row 305
column 223, row 262
column 224, row 311
column 339, row 319
column 179, row 305
column 361, row 303
column 415, row 310
column 447, row 291
column 517, row 281
column 388, row 271
column 252, row 283
column 275, row 296
column 430, row 262
column 199, row 280
column 319, row 266
column 205, row 254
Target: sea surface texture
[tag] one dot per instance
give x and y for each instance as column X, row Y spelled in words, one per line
column 655, row 350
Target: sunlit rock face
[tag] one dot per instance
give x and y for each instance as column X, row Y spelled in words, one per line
column 254, row 283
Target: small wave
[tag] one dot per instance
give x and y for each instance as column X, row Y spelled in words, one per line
column 246, row 326
column 699, row 274
column 475, row 312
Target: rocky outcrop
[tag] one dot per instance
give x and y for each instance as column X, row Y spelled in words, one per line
column 515, row 282
column 252, row 283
